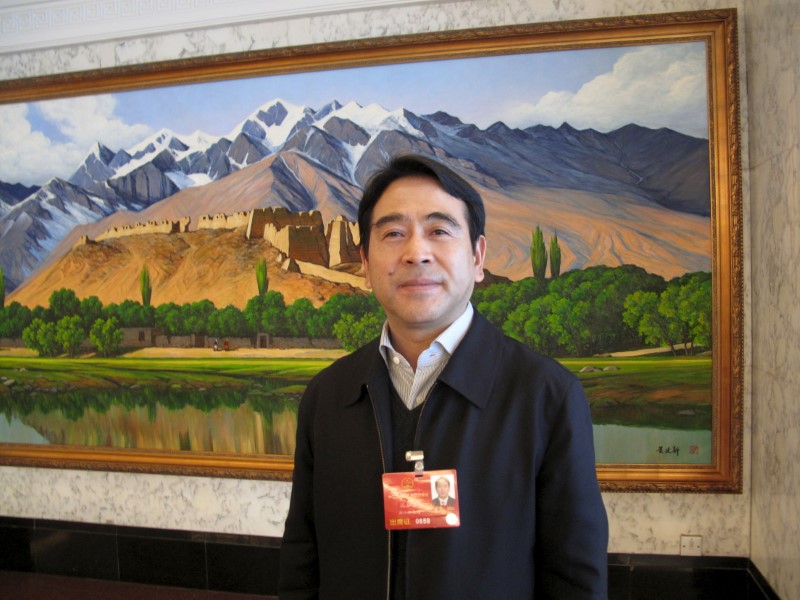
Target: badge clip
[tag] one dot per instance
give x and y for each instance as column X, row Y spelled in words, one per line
column 418, row 458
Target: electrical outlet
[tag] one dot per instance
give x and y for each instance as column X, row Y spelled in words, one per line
column 691, row 545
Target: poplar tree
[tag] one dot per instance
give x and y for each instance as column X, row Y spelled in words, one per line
column 144, row 286
column 555, row 257
column 2, row 289
column 538, row 255
column 261, row 277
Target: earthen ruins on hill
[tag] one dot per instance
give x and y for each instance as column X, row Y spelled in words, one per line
column 164, row 226
column 300, row 236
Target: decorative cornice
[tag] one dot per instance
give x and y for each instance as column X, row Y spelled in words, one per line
column 39, row 24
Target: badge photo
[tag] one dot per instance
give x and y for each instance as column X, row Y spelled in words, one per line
column 421, row 501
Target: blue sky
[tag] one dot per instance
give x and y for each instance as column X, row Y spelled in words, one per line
column 474, row 90
column 660, row 85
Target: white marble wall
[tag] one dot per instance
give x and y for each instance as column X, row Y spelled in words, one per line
column 640, row 523
column 160, row 501
column 773, row 87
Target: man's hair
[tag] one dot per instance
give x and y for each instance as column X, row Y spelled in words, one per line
column 412, row 165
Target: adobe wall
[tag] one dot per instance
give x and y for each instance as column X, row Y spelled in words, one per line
column 223, row 221
column 305, row 243
column 280, row 217
column 342, row 247
column 164, row 226
column 302, row 236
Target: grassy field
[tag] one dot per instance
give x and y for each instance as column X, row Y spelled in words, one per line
column 661, row 391
column 46, row 373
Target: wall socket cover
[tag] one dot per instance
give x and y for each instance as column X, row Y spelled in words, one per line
column 691, row 545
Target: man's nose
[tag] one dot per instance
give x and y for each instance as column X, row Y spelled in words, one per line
column 417, row 250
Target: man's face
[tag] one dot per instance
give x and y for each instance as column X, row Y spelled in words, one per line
column 421, row 263
column 443, row 488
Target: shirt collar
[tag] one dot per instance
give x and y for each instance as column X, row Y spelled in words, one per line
column 449, row 339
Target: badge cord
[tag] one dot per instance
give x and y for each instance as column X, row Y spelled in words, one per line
column 388, row 533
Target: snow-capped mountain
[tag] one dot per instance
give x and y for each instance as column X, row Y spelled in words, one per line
column 13, row 194
column 344, row 143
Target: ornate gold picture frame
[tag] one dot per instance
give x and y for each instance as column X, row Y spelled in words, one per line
column 720, row 388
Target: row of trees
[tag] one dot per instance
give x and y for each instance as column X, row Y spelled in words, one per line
column 580, row 313
column 67, row 321
column 602, row 309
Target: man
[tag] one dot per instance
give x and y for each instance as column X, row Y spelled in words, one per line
column 443, row 497
column 441, row 379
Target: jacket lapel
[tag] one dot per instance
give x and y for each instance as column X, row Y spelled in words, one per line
column 474, row 365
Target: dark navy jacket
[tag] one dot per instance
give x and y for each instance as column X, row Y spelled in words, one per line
column 516, row 427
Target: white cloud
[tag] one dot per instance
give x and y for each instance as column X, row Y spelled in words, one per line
column 655, row 86
column 91, row 119
column 29, row 156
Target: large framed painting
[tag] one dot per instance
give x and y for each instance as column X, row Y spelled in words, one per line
column 179, row 254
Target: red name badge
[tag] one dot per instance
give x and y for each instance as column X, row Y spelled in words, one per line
column 424, row 501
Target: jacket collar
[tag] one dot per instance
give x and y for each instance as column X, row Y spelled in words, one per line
column 474, row 365
column 471, row 371
column 369, row 369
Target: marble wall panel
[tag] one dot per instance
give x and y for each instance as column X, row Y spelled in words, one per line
column 773, row 53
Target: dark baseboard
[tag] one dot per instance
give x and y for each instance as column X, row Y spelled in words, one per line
column 213, row 561
column 667, row 577
column 249, row 564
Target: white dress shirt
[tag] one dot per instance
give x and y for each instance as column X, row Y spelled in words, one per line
column 413, row 386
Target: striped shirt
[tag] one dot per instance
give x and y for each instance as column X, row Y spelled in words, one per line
column 413, row 386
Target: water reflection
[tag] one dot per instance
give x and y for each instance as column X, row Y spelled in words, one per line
column 620, row 444
column 260, row 419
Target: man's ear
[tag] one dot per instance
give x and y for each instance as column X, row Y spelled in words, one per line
column 480, row 257
column 365, row 264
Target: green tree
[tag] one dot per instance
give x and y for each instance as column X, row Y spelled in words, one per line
column 261, row 277
column 90, row 310
column 570, row 322
column 496, row 302
column 604, row 289
column 538, row 254
column 2, row 289
column 144, row 286
column 266, row 314
column 14, row 318
column 195, row 316
column 130, row 313
column 273, row 318
column 686, row 303
column 355, row 332
column 529, row 323
column 40, row 336
column 39, row 312
column 326, row 316
column 227, row 322
column 169, row 319
column 298, row 316
column 63, row 303
column 578, row 313
column 698, row 305
column 555, row 257
column 641, row 313
column 70, row 334
column 107, row 335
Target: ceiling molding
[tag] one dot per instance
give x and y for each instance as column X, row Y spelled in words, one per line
column 36, row 25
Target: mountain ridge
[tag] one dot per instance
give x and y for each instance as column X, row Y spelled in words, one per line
column 294, row 156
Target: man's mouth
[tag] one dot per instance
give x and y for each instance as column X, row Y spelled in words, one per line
column 419, row 283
